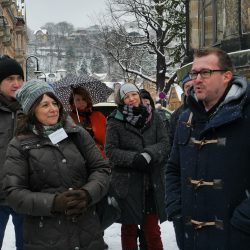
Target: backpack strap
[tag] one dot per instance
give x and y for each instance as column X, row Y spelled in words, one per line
column 28, row 142
column 77, row 140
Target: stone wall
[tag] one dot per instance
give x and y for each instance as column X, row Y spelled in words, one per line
column 13, row 35
column 194, row 23
column 226, row 24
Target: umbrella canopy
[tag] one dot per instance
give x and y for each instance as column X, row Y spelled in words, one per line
column 98, row 91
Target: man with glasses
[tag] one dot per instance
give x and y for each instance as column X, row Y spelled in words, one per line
column 11, row 79
column 208, row 173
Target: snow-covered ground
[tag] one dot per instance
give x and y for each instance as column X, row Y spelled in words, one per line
column 112, row 237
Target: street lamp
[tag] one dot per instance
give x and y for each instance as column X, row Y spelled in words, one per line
column 38, row 73
column 37, row 65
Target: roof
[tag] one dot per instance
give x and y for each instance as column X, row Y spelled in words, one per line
column 178, row 90
column 43, row 31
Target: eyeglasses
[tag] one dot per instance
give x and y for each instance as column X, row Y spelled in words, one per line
column 204, row 73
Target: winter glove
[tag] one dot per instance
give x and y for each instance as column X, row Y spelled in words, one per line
column 140, row 162
column 61, row 201
column 176, row 215
column 79, row 204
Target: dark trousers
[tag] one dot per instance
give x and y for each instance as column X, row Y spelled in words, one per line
column 151, row 231
column 17, row 220
column 141, row 238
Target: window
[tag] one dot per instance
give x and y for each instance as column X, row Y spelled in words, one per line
column 211, row 20
column 245, row 16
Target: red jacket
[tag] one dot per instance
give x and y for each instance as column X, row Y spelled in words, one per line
column 98, row 126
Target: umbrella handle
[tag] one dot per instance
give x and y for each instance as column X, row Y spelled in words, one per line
column 78, row 118
column 77, row 114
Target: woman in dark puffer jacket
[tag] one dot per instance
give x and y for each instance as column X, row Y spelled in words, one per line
column 47, row 178
column 137, row 146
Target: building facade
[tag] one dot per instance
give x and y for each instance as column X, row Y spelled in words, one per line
column 13, row 32
column 219, row 23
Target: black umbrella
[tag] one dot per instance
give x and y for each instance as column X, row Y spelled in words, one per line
column 98, row 91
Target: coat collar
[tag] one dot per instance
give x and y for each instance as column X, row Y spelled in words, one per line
column 228, row 110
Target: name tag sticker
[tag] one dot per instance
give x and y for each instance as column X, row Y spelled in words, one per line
column 58, row 136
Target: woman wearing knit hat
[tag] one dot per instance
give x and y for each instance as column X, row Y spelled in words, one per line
column 137, row 146
column 11, row 79
column 51, row 178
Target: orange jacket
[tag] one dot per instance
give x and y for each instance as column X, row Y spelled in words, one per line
column 98, row 125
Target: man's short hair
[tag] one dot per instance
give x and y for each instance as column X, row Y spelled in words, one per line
column 224, row 59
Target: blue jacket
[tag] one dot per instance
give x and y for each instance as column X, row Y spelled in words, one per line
column 208, row 173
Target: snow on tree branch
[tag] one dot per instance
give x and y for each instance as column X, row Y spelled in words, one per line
column 146, row 37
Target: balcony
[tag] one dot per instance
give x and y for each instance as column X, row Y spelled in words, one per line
column 19, row 53
column 20, row 24
column 6, row 37
column 2, row 29
column 6, row 40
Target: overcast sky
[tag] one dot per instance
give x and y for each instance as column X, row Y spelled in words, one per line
column 80, row 13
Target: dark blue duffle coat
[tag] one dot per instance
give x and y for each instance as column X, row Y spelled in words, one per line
column 208, row 174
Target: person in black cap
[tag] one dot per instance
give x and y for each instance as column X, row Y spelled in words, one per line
column 186, row 85
column 11, row 79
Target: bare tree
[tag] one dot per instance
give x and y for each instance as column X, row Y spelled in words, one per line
column 57, row 41
column 157, row 38
column 64, row 29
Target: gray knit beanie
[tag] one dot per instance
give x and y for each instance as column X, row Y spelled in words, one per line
column 30, row 92
column 126, row 88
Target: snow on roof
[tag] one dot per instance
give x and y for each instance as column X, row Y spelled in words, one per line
column 61, row 70
column 178, row 89
column 111, row 84
column 44, row 31
column 100, row 76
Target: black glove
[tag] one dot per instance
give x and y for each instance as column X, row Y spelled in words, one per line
column 176, row 215
column 61, row 201
column 79, row 204
column 140, row 163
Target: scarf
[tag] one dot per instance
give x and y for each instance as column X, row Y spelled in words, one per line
column 10, row 103
column 47, row 130
column 136, row 116
column 149, row 109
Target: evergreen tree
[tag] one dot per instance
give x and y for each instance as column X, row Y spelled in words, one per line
column 96, row 63
column 70, row 60
column 83, row 68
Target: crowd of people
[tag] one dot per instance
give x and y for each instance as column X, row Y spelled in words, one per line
column 56, row 166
